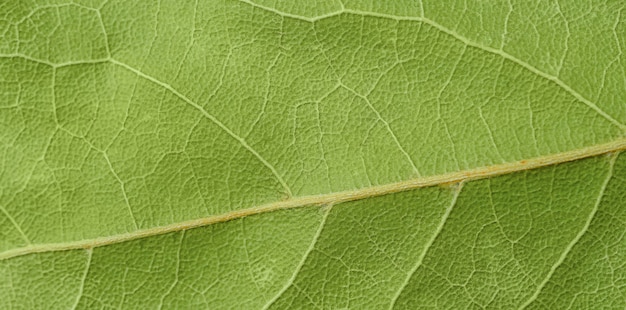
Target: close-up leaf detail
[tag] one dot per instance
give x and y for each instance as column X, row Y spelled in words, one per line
column 329, row 154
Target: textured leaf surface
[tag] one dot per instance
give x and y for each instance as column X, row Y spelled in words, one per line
column 312, row 154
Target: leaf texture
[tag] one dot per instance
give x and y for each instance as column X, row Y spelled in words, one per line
column 271, row 154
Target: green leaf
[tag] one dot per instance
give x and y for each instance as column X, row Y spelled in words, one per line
column 267, row 154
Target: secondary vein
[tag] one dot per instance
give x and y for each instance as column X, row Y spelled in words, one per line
column 212, row 118
column 577, row 238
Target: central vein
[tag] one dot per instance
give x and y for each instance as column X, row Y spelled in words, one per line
column 332, row 198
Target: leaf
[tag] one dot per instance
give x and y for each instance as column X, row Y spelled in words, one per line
column 280, row 154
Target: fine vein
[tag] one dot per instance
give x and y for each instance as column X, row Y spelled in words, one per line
column 16, row 225
column 457, row 36
column 387, row 126
column 333, row 198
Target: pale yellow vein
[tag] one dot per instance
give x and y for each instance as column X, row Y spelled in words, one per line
column 333, row 198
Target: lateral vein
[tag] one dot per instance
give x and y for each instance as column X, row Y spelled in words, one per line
column 577, row 238
column 212, row 118
column 428, row 246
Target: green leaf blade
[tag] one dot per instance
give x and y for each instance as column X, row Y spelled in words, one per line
column 353, row 154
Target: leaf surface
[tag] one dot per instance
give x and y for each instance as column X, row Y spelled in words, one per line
column 297, row 154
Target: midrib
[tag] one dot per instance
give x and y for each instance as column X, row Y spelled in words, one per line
column 332, row 198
